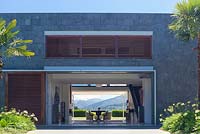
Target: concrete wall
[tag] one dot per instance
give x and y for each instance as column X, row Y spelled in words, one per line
column 174, row 61
column 66, row 98
column 64, row 94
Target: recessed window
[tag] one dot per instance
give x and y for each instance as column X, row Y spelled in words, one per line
column 62, row 46
column 134, row 47
column 98, row 46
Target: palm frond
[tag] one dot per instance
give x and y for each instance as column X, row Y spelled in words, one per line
column 186, row 23
column 2, row 23
column 11, row 26
column 18, row 51
column 10, row 44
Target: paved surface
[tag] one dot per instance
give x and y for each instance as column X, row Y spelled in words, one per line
column 101, row 131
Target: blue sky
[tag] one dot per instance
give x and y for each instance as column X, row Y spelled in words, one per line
column 86, row 97
column 94, row 6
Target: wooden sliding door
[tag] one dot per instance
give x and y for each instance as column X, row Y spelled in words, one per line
column 26, row 91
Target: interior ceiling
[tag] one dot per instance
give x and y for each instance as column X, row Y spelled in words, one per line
column 99, row 93
column 98, row 78
column 99, row 90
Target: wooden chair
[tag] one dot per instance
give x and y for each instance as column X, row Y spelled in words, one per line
column 89, row 116
column 107, row 116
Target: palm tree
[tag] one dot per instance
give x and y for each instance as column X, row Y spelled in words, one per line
column 186, row 26
column 10, row 44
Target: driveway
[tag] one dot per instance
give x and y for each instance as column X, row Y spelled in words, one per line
column 100, row 131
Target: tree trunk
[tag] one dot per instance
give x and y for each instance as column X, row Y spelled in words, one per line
column 198, row 58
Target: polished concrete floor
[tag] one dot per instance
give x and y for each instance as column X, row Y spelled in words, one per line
column 100, row 131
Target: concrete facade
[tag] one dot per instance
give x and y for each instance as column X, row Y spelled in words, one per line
column 174, row 61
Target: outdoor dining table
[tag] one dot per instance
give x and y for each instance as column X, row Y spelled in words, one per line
column 98, row 113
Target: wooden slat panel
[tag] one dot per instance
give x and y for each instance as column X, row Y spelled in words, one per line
column 99, row 46
column 133, row 46
column 62, row 46
column 26, row 92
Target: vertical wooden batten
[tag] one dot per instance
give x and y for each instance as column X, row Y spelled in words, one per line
column 6, row 90
column 26, row 91
column 43, row 97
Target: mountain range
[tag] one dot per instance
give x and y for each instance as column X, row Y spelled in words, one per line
column 108, row 104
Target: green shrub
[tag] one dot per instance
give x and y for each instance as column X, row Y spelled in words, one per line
column 12, row 131
column 17, row 120
column 79, row 113
column 179, row 122
column 117, row 113
column 181, row 118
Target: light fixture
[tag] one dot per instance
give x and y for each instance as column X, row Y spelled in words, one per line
column 98, row 85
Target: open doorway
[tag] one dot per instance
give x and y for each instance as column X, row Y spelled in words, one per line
column 109, row 100
column 136, row 106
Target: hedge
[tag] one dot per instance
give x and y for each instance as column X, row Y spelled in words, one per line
column 117, row 113
column 79, row 113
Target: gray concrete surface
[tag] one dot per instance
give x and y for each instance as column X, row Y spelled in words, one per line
column 101, row 131
column 174, row 61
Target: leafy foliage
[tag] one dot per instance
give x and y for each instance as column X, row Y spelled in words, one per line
column 12, row 131
column 79, row 113
column 181, row 118
column 184, row 118
column 117, row 113
column 186, row 23
column 10, row 44
column 13, row 119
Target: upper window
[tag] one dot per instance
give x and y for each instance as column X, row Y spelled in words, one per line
column 98, row 46
column 62, row 46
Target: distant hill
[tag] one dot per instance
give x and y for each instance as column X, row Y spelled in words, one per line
column 108, row 104
column 84, row 103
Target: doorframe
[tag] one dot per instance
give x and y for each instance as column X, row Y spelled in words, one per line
column 111, row 69
column 104, row 69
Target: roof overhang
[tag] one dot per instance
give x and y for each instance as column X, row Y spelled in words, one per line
column 99, row 68
column 82, row 69
column 128, row 33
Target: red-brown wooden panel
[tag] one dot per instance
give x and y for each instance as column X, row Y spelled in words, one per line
column 133, row 46
column 99, row 46
column 62, row 46
column 26, row 91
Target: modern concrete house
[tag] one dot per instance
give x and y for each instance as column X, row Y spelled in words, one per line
column 134, row 50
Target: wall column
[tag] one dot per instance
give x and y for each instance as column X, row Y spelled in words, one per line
column 65, row 98
column 49, row 102
column 146, row 85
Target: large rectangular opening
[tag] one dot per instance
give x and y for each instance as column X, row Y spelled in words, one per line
column 135, row 88
column 105, row 46
column 108, row 99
